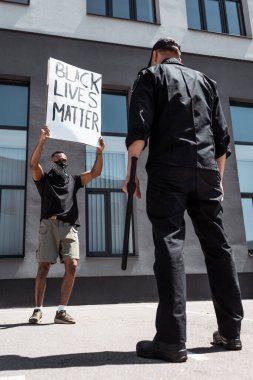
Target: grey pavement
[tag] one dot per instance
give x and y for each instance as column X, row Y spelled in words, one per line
column 102, row 345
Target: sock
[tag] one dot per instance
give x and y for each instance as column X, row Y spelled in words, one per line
column 62, row 307
column 38, row 307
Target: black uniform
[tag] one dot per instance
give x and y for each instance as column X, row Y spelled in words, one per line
column 178, row 110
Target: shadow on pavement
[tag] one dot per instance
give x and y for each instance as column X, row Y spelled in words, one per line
column 9, row 326
column 207, row 350
column 88, row 359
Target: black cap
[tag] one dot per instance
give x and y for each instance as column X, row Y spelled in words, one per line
column 165, row 43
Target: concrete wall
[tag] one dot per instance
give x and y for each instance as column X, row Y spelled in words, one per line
column 69, row 19
column 26, row 56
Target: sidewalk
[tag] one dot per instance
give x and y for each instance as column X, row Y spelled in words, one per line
column 102, row 345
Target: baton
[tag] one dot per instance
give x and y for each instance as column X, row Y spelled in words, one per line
column 129, row 210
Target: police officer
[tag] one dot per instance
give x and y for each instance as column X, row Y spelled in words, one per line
column 178, row 110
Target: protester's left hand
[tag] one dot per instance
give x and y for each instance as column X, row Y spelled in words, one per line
column 101, row 146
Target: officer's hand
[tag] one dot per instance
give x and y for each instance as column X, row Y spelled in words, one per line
column 44, row 132
column 221, row 186
column 137, row 192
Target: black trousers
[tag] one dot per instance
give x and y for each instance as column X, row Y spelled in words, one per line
column 171, row 191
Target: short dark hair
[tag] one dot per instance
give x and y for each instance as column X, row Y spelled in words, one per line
column 166, row 44
column 58, row 152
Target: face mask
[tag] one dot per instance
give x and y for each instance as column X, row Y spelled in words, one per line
column 59, row 167
column 62, row 163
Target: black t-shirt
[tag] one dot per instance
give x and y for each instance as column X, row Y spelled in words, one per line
column 59, row 198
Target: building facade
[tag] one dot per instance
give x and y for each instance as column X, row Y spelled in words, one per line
column 114, row 37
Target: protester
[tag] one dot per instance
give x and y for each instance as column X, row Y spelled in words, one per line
column 58, row 234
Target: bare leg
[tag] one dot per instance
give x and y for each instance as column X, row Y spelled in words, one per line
column 68, row 280
column 40, row 285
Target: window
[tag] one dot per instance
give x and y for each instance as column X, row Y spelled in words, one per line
column 224, row 16
column 140, row 10
column 13, row 131
column 105, row 201
column 242, row 116
column 26, row 2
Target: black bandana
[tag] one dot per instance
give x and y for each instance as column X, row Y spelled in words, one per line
column 58, row 173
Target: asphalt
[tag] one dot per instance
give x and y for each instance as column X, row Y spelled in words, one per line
column 102, row 345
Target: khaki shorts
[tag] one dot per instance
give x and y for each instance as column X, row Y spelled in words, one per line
column 57, row 239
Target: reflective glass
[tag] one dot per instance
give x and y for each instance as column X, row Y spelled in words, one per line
column 114, row 113
column 120, row 8
column 114, row 167
column 13, row 105
column 114, row 120
column 118, row 214
column 247, row 207
column 213, row 17
column 232, row 17
column 244, row 157
column 193, row 15
column 245, row 170
column 112, row 177
column 242, row 122
column 242, row 128
column 11, row 222
column 13, row 113
column 97, row 7
column 96, row 222
column 145, row 10
column 12, row 157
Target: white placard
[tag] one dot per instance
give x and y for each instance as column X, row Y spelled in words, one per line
column 74, row 103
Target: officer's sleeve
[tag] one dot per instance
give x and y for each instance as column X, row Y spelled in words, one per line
column 141, row 110
column 220, row 128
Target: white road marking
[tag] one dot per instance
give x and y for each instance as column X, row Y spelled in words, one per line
column 199, row 357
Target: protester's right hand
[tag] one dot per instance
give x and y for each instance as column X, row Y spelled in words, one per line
column 44, row 132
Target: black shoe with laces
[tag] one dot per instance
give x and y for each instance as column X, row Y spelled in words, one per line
column 156, row 349
column 229, row 344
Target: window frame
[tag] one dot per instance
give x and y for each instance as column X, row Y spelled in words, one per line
column 132, row 12
column 223, row 17
column 120, row 93
column 16, row 2
column 243, row 143
column 14, row 83
column 248, row 196
column 107, row 192
column 108, row 225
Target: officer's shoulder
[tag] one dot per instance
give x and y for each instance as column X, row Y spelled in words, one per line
column 143, row 74
column 146, row 70
column 210, row 82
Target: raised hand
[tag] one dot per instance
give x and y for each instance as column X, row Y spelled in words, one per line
column 101, row 146
column 44, row 132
